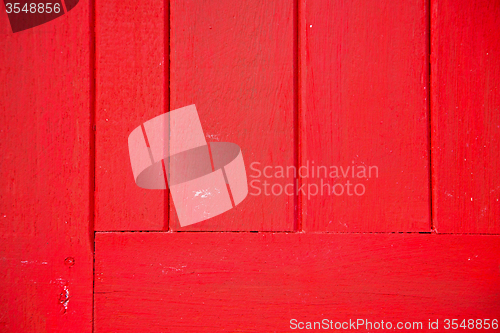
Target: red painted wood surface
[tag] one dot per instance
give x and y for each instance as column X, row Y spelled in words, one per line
column 235, row 61
column 130, row 87
column 466, row 116
column 364, row 103
column 206, row 282
column 45, row 241
column 337, row 83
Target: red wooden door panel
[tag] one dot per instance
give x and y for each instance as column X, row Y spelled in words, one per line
column 338, row 88
column 130, row 89
column 364, row 81
column 45, row 176
column 213, row 282
column 235, row 60
column 466, row 116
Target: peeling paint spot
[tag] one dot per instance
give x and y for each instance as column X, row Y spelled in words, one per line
column 64, row 299
column 203, row 193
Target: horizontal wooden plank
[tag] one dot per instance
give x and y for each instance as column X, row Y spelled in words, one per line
column 46, row 263
column 258, row 282
column 364, row 116
column 466, row 116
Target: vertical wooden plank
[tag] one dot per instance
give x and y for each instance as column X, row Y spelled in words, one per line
column 235, row 61
column 46, row 262
column 366, row 106
column 466, row 116
column 130, row 84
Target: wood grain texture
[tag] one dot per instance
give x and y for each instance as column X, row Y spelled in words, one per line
column 235, row 60
column 45, row 242
column 206, row 282
column 130, row 86
column 466, row 116
column 365, row 66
